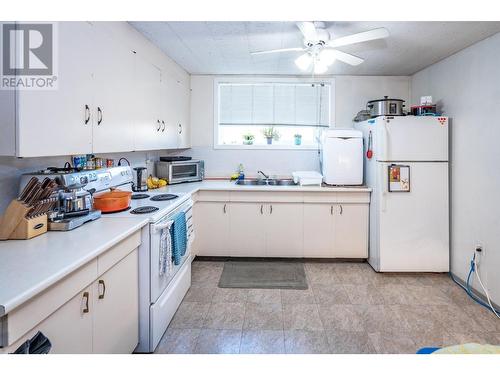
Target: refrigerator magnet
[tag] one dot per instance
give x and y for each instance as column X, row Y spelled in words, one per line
column 399, row 178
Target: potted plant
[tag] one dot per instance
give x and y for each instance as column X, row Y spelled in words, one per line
column 271, row 134
column 297, row 139
column 248, row 139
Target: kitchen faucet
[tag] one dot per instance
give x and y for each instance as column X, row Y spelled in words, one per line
column 263, row 174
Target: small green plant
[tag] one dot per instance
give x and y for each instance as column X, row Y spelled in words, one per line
column 248, row 139
column 271, row 134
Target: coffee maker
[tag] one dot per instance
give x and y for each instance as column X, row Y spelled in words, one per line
column 139, row 179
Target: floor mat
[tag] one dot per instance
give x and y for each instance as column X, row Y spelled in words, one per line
column 263, row 275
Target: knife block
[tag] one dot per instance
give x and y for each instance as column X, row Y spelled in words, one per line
column 15, row 226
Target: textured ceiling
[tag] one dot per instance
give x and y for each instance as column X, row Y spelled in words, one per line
column 224, row 47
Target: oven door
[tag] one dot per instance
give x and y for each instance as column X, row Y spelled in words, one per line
column 160, row 283
column 183, row 172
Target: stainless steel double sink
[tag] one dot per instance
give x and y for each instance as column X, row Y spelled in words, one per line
column 266, row 182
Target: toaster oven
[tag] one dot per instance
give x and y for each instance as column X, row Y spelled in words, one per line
column 176, row 172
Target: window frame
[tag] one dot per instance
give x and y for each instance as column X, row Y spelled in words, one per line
column 250, row 80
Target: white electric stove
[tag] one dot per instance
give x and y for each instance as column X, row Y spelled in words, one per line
column 159, row 295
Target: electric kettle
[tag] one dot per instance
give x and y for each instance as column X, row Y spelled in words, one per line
column 139, row 181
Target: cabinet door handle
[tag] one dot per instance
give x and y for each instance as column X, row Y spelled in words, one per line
column 262, row 209
column 99, row 115
column 101, row 295
column 87, row 114
column 180, row 128
column 163, row 127
column 271, row 209
column 341, row 209
column 86, row 298
column 331, row 210
column 224, row 209
column 159, row 125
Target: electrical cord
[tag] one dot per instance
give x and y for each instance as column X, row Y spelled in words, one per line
column 467, row 288
column 476, row 271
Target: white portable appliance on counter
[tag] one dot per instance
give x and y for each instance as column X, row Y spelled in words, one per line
column 342, row 157
column 406, row 165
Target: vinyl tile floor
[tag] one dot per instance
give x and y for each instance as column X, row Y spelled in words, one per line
column 348, row 308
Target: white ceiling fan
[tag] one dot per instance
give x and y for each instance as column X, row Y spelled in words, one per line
column 320, row 49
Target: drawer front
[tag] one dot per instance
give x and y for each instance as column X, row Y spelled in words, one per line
column 267, row 196
column 212, row 196
column 118, row 252
column 30, row 314
column 162, row 312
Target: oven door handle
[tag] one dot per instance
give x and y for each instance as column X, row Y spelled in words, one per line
column 162, row 226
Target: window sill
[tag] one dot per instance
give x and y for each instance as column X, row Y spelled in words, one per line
column 266, row 147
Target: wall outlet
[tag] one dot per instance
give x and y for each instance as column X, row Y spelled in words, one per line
column 479, row 251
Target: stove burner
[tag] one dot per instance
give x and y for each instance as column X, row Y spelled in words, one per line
column 114, row 212
column 139, row 196
column 144, row 210
column 164, row 197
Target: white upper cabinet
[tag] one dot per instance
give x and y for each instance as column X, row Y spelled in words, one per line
column 108, row 99
column 59, row 122
column 113, row 121
column 148, row 93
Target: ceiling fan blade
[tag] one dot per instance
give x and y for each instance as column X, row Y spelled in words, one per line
column 365, row 36
column 308, row 30
column 346, row 57
column 277, row 50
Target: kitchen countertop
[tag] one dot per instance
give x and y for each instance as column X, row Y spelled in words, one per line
column 214, row 185
column 27, row 267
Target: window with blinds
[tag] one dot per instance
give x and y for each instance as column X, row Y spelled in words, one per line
column 291, row 113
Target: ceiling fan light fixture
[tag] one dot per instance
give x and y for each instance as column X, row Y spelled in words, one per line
column 320, row 67
column 327, row 57
column 304, row 61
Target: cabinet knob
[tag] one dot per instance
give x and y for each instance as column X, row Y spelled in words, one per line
column 341, row 209
column 85, row 300
column 262, row 209
column 331, row 210
column 224, row 208
column 101, row 283
column 271, row 209
column 180, row 128
column 158, row 127
column 163, row 126
column 87, row 114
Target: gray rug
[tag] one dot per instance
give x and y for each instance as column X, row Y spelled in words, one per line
column 263, row 275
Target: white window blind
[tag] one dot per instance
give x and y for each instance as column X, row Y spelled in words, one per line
column 287, row 104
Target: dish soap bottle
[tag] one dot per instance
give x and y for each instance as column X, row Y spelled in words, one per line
column 241, row 175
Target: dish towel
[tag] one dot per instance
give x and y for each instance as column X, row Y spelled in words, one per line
column 165, row 263
column 179, row 237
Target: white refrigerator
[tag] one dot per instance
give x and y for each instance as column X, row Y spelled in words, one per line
column 406, row 165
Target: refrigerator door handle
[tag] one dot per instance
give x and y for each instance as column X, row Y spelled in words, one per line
column 383, row 185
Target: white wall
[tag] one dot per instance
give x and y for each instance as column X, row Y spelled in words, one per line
column 351, row 95
column 467, row 88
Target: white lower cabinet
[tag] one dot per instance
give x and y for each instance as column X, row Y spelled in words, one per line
column 319, row 234
column 294, row 229
column 102, row 318
column 116, row 308
column 248, row 229
column 284, row 230
column 351, row 230
column 69, row 329
column 212, row 229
